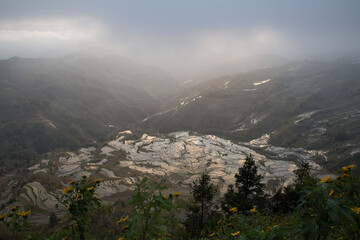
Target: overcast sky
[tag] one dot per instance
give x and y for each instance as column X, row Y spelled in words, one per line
column 187, row 34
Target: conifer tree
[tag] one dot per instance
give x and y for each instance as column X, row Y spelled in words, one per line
column 200, row 207
column 286, row 199
column 248, row 189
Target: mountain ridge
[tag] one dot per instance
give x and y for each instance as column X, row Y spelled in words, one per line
column 247, row 105
column 61, row 103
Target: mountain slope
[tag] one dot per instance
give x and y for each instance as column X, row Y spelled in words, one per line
column 248, row 105
column 68, row 102
column 246, row 64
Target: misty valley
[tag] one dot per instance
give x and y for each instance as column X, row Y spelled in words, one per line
column 182, row 120
column 112, row 119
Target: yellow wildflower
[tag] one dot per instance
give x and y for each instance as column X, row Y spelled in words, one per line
column 98, row 181
column 72, row 182
column 14, row 208
column 125, row 227
column 165, row 196
column 331, row 193
column 2, row 217
column 234, row 209
column 177, row 194
column 275, row 226
column 122, row 220
column 235, row 233
column 121, row 238
column 84, row 176
column 348, row 168
column 67, row 189
column 90, row 188
column 10, row 214
column 351, row 167
column 229, row 224
column 253, row 210
column 68, row 207
column 211, row 235
column 168, row 235
column 326, row 179
column 356, row 210
column 78, row 196
column 346, row 175
column 23, row 213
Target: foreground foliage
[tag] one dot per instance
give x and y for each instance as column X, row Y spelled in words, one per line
column 15, row 222
column 80, row 201
column 200, row 209
column 317, row 209
column 153, row 215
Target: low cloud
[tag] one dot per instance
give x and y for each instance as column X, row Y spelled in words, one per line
column 48, row 35
column 184, row 39
column 188, row 55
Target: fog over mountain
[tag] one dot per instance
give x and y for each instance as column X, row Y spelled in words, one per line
column 183, row 37
column 69, row 102
column 110, row 93
column 236, row 68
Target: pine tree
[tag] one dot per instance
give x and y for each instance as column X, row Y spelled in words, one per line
column 200, row 207
column 248, row 189
column 286, row 199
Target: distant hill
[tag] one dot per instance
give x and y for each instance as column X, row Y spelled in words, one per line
column 245, row 64
column 314, row 105
column 68, row 102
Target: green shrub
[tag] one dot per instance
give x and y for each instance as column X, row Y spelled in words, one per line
column 15, row 222
column 80, row 201
column 153, row 216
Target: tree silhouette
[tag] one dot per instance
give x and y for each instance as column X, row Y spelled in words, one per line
column 248, row 190
column 200, row 207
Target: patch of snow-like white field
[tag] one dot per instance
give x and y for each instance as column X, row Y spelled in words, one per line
column 304, row 116
column 262, row 82
column 180, row 157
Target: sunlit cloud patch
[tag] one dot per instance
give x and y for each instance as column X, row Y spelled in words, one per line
column 50, row 30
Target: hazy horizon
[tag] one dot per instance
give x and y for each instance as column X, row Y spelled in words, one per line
column 184, row 37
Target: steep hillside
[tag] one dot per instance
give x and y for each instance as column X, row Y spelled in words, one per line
column 277, row 101
column 69, row 102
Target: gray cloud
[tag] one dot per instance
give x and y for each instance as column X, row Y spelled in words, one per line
column 182, row 36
